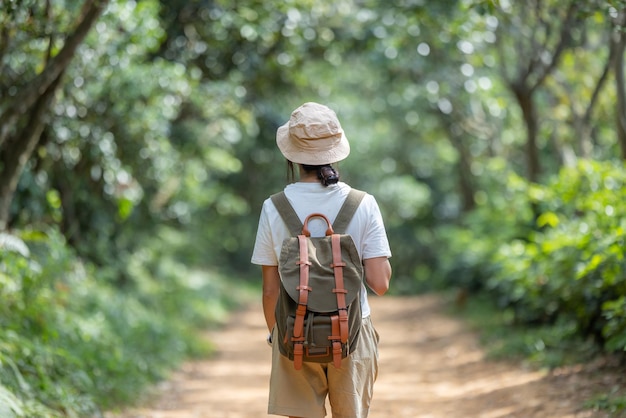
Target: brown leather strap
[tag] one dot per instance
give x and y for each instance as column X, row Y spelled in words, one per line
column 305, row 226
column 339, row 290
column 303, row 298
column 335, row 331
column 298, row 353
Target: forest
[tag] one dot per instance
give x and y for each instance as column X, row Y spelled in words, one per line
column 137, row 145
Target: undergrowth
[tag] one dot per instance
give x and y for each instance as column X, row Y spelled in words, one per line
column 538, row 346
column 73, row 343
column 545, row 265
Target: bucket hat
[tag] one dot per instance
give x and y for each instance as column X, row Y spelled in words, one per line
column 313, row 136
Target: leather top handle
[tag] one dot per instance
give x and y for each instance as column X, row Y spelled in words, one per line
column 305, row 227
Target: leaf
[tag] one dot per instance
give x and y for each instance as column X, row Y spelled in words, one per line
column 9, row 404
column 12, row 243
column 592, row 265
column 548, row 218
column 124, row 208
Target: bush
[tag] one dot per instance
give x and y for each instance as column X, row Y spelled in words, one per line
column 571, row 265
column 71, row 343
column 552, row 254
column 503, row 215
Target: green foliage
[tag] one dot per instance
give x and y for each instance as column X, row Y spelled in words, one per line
column 614, row 312
column 608, row 402
column 69, row 341
column 544, row 346
column 566, row 270
column 573, row 267
column 160, row 148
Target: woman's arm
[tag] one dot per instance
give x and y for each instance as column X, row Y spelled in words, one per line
column 377, row 274
column 271, row 288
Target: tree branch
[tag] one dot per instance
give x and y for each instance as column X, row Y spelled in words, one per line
column 18, row 155
column 564, row 41
column 92, row 9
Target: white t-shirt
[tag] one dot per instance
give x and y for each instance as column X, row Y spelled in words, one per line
column 366, row 228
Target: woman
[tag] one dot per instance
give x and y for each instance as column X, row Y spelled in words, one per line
column 313, row 139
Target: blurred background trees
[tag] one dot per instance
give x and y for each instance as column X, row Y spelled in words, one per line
column 137, row 144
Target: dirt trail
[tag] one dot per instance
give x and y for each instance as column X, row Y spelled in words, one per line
column 431, row 366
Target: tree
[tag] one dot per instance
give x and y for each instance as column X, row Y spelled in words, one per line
column 23, row 117
column 618, row 45
column 531, row 42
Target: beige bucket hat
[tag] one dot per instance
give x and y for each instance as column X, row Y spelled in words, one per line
column 313, row 136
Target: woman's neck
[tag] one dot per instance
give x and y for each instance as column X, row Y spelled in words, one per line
column 310, row 177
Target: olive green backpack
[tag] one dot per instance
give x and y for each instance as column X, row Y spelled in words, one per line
column 318, row 314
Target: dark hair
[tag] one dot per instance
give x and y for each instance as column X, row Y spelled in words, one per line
column 325, row 173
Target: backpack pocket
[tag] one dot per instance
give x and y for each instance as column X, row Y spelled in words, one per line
column 318, row 341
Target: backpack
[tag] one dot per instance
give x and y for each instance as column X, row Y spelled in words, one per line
column 318, row 313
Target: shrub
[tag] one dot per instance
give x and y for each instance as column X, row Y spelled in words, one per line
column 572, row 265
column 72, row 343
column 551, row 254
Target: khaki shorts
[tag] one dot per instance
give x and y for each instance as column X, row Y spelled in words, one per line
column 302, row 393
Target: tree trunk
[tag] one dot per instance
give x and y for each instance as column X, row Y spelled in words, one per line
column 464, row 172
column 31, row 106
column 17, row 155
column 466, row 186
column 92, row 9
column 585, row 130
column 525, row 101
column 619, row 43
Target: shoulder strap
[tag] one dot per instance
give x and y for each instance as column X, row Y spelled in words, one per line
column 287, row 212
column 353, row 200
column 291, row 219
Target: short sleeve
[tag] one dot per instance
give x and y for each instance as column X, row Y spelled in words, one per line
column 374, row 241
column 263, row 252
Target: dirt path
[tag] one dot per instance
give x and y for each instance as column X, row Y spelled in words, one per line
column 431, row 366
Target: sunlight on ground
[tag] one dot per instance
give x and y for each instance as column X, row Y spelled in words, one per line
column 431, row 366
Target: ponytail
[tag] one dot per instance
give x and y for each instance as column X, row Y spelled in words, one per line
column 326, row 174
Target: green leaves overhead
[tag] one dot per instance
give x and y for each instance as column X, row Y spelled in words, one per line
column 169, row 109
